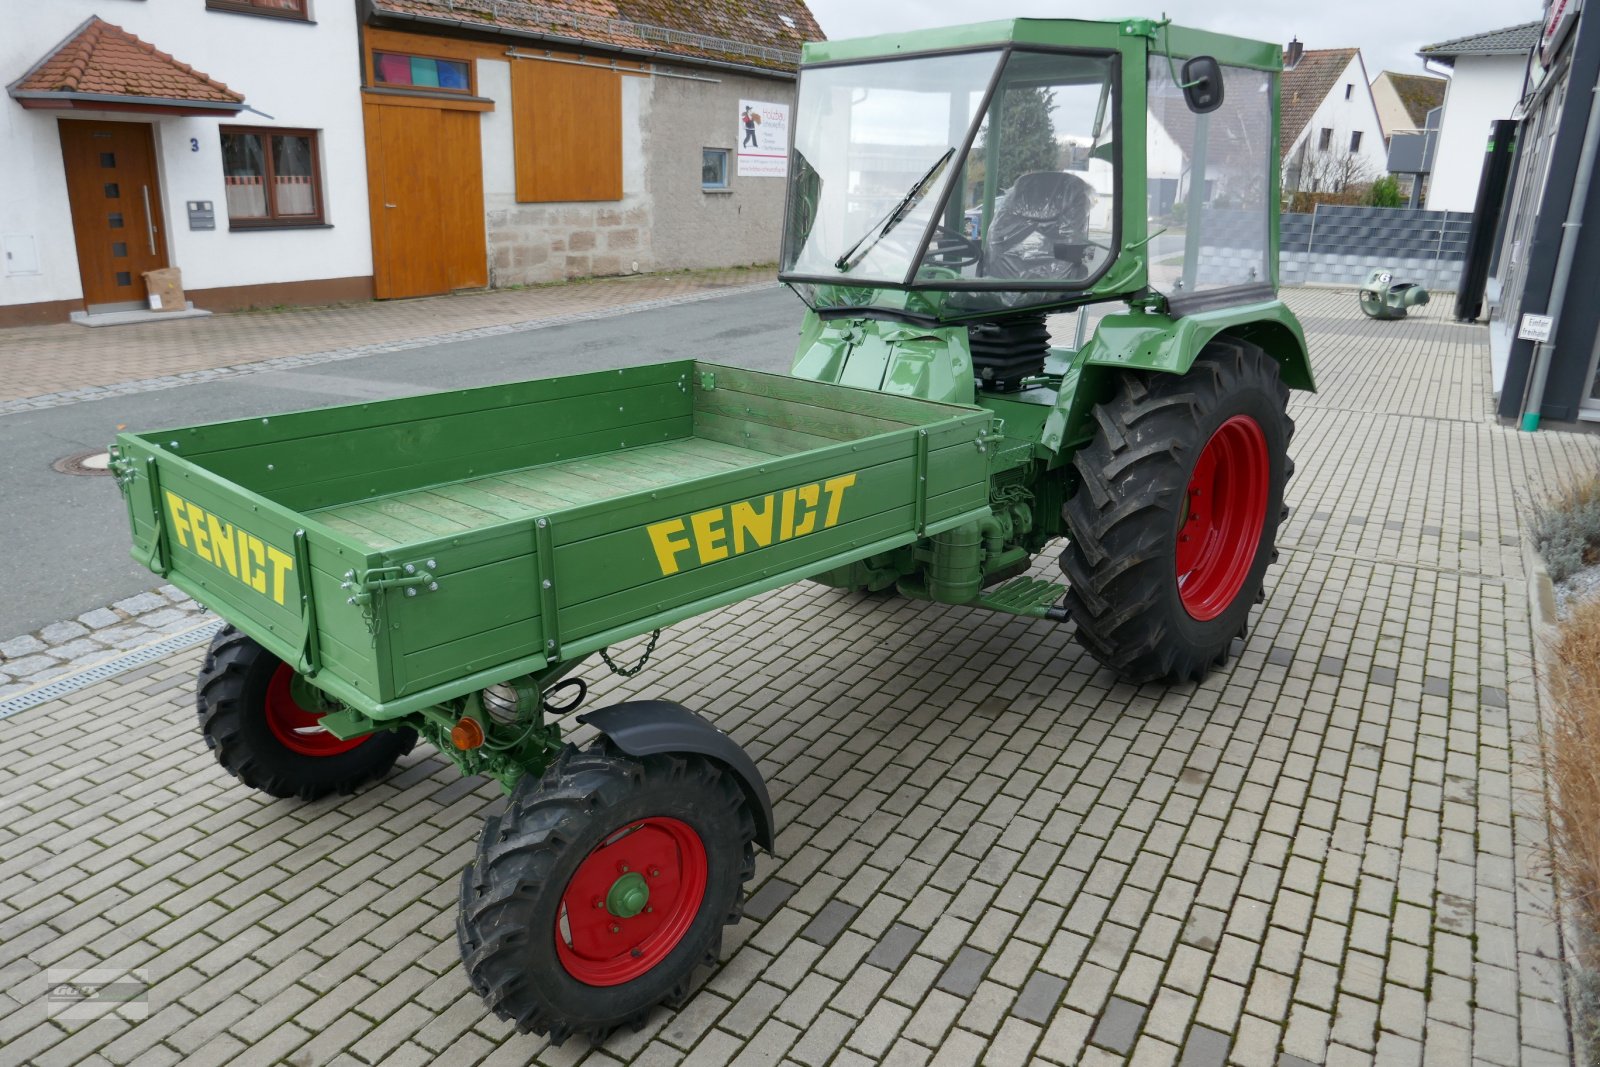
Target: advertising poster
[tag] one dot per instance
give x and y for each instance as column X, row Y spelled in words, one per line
column 763, row 139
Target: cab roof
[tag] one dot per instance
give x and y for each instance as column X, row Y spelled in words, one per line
column 1121, row 35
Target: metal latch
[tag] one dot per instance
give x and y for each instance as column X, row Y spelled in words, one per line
column 410, row 577
column 122, row 468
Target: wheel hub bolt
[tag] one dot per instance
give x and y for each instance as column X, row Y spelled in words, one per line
column 655, row 872
column 616, row 929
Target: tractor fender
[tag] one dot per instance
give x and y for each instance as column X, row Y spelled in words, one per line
column 1168, row 344
column 657, row 727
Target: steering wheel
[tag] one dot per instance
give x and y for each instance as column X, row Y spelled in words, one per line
column 950, row 248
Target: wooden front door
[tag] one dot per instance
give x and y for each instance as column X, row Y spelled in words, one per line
column 425, row 187
column 116, row 207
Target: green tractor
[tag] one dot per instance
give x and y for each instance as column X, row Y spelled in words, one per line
column 437, row 567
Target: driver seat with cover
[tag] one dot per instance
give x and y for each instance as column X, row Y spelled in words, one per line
column 1044, row 209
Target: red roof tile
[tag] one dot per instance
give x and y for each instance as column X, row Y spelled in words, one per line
column 754, row 33
column 106, row 60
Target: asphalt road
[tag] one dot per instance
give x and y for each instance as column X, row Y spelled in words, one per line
column 64, row 538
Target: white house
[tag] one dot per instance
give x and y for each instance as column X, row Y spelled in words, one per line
column 1329, row 133
column 1487, row 75
column 222, row 137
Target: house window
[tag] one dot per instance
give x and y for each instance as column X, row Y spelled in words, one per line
column 713, row 168
column 1355, row 141
column 1349, row 87
column 283, row 9
column 272, row 177
column 1325, row 140
column 421, row 72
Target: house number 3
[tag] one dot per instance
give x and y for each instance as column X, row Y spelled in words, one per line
column 194, row 144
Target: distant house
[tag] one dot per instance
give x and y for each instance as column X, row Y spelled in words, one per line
column 1487, row 75
column 1329, row 132
column 220, row 137
column 511, row 143
column 1404, row 100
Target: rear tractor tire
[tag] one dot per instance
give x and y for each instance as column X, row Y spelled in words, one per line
column 264, row 737
column 602, row 888
column 1173, row 525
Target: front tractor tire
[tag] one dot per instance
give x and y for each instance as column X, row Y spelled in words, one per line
column 602, row 888
column 1173, row 525
column 263, row 736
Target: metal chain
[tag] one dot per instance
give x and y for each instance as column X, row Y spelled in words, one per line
column 629, row 672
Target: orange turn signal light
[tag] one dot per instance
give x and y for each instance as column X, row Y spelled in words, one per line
column 467, row 734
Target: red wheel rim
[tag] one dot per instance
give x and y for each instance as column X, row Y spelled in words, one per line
column 297, row 729
column 1225, row 509
column 608, row 931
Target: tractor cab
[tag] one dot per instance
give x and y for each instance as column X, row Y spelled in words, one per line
column 998, row 171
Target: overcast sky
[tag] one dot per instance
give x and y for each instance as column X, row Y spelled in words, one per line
column 1388, row 32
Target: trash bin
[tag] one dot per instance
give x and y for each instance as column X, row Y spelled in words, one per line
column 166, row 289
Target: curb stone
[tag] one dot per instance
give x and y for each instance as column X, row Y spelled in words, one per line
column 62, row 648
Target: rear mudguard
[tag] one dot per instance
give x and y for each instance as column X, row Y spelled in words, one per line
column 1150, row 341
column 656, row 727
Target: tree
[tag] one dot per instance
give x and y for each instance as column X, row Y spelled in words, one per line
column 1327, row 171
column 1027, row 135
column 1385, row 192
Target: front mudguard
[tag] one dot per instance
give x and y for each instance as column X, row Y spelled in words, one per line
column 658, row 727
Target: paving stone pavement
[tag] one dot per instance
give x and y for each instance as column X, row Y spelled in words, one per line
column 1326, row 853
column 49, row 366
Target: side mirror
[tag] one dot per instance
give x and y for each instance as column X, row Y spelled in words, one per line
column 1202, row 84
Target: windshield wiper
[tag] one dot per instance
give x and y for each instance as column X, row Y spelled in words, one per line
column 880, row 228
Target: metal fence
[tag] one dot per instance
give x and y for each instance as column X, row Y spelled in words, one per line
column 1338, row 245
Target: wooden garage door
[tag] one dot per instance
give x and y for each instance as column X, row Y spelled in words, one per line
column 425, row 184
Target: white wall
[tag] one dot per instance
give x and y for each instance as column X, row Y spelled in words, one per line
column 1345, row 117
column 303, row 75
column 1482, row 89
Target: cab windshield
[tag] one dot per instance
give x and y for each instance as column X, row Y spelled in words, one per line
column 909, row 172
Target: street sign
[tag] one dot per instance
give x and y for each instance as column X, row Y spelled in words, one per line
column 1535, row 328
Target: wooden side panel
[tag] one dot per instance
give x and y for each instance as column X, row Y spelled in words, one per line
column 568, row 132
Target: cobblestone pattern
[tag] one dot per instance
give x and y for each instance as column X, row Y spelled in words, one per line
column 1326, row 853
column 71, row 645
column 49, row 366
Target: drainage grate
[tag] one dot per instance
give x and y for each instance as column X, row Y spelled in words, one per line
column 109, row 669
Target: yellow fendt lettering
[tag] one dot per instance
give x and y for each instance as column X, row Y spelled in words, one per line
column 719, row 533
column 256, row 564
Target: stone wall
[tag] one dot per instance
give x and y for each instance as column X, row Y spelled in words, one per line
column 665, row 220
column 533, row 243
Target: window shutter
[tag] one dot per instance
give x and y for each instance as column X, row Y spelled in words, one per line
column 567, row 123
